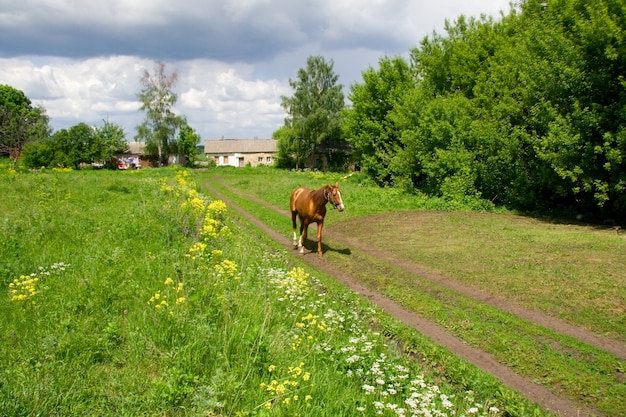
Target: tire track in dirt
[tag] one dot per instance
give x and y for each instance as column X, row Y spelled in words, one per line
column 533, row 391
column 612, row 346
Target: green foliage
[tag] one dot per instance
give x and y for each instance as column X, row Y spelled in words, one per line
column 13, row 98
column 77, row 146
column 188, row 141
column 38, row 155
column 108, row 140
column 288, row 147
column 370, row 126
column 20, row 122
column 529, row 108
column 313, row 112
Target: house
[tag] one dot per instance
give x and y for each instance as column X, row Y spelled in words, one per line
column 132, row 157
column 241, row 152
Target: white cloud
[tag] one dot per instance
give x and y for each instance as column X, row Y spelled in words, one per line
column 83, row 60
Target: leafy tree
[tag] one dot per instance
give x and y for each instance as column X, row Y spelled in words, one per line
column 370, row 124
column 528, row 111
column 188, row 141
column 78, row 145
column 585, row 143
column 159, row 128
column 107, row 141
column 39, row 154
column 287, row 147
column 20, row 122
column 72, row 146
column 313, row 112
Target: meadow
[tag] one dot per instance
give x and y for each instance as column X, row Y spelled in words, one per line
column 136, row 293
column 559, row 268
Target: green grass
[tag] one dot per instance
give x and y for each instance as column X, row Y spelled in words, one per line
column 571, row 271
column 574, row 272
column 128, row 293
column 360, row 195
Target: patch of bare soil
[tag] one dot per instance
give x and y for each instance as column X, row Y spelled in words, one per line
column 558, row 405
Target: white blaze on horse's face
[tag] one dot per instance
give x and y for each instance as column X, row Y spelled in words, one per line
column 340, row 206
column 335, row 199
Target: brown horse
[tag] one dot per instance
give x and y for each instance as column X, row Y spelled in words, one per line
column 310, row 207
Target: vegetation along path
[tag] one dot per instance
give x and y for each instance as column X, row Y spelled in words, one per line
column 340, row 237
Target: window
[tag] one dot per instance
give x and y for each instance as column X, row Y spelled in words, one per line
column 268, row 159
column 225, row 159
column 217, row 160
column 260, row 159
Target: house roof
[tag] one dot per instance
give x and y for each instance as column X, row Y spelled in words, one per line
column 240, row 146
column 137, row 148
column 133, row 148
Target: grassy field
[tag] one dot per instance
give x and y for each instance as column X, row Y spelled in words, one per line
column 134, row 293
column 564, row 269
column 567, row 269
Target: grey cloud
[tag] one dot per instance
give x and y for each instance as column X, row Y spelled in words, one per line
column 82, row 59
column 223, row 30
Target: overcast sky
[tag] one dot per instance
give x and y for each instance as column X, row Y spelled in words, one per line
column 82, row 59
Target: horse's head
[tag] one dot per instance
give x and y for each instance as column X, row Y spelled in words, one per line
column 333, row 195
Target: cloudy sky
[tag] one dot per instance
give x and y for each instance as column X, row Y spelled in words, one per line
column 82, row 59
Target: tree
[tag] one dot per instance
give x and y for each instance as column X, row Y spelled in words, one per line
column 188, row 141
column 72, row 147
column 80, row 144
column 314, row 111
column 38, row 155
column 20, row 122
column 528, row 111
column 159, row 128
column 286, row 138
column 107, row 141
column 370, row 125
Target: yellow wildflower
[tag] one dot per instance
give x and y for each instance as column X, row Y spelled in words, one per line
column 217, row 207
column 226, row 267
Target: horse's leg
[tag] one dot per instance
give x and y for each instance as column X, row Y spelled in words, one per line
column 319, row 238
column 304, row 231
column 294, row 214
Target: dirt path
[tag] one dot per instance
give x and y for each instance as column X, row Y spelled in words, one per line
column 559, row 405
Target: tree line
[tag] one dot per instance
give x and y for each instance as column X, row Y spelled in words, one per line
column 25, row 133
column 527, row 111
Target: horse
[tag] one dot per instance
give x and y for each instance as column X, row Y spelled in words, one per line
column 310, row 207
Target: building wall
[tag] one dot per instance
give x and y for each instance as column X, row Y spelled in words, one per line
column 243, row 159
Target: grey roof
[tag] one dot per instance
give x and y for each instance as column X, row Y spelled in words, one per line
column 240, row 146
column 138, row 148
